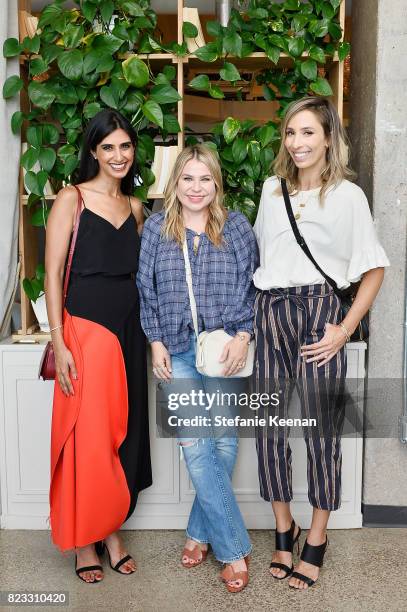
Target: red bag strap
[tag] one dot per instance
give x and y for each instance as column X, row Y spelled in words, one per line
column 73, row 242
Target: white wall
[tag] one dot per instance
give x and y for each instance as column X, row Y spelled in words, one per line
column 378, row 127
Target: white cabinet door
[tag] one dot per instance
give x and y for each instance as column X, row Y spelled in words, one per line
column 25, row 423
column 25, row 420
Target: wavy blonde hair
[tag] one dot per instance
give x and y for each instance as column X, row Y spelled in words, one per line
column 173, row 227
column 337, row 153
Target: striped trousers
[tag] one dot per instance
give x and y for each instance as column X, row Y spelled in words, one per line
column 286, row 319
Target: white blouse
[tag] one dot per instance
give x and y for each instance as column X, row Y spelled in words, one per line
column 339, row 233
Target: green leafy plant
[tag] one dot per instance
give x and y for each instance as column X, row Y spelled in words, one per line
column 245, row 152
column 34, row 287
column 77, row 64
column 80, row 61
column 307, row 32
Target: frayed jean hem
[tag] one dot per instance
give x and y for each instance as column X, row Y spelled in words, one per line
column 195, row 539
column 236, row 558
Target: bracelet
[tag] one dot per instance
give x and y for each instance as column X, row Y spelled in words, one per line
column 345, row 331
column 242, row 338
column 54, row 328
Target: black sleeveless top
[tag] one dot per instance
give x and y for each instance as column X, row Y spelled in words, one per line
column 102, row 249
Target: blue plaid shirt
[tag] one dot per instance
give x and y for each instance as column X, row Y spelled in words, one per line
column 222, row 282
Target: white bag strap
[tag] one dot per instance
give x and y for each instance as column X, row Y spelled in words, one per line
column 188, row 274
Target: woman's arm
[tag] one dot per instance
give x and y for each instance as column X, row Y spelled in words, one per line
column 146, row 281
column 138, row 212
column 146, row 284
column 238, row 317
column 335, row 336
column 59, row 229
column 366, row 295
column 366, row 260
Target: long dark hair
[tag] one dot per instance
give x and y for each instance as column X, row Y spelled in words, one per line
column 100, row 126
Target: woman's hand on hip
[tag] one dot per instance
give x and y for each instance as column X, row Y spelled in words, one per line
column 161, row 361
column 234, row 355
column 65, row 368
column 323, row 351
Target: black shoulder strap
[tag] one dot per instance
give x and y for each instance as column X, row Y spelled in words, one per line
column 300, row 239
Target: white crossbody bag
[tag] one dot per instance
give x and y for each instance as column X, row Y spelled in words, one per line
column 210, row 345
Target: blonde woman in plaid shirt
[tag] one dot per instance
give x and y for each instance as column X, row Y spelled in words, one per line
column 223, row 255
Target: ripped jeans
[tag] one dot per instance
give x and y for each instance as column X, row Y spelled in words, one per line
column 215, row 516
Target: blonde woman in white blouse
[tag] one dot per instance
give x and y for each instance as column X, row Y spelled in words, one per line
column 300, row 334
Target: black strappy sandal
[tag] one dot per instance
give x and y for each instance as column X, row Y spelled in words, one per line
column 314, row 555
column 100, row 549
column 88, row 568
column 285, row 543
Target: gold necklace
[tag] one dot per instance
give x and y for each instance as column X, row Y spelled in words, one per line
column 303, row 204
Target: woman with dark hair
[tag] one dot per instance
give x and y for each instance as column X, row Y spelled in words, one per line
column 100, row 455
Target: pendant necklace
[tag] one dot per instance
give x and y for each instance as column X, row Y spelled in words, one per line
column 302, row 204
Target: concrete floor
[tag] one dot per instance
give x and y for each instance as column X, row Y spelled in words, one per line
column 365, row 569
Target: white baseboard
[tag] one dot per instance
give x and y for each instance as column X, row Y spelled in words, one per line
column 252, row 521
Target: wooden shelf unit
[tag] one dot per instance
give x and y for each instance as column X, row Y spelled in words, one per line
column 190, row 107
column 208, row 110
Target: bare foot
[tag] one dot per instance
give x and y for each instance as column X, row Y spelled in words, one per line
column 117, row 552
column 282, row 556
column 190, row 561
column 86, row 556
column 307, row 569
column 237, row 566
column 311, row 571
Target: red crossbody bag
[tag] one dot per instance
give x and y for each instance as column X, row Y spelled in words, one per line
column 47, row 366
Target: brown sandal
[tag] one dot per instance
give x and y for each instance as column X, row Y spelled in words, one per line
column 228, row 575
column 196, row 555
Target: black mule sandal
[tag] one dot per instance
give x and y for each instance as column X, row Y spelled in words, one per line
column 88, row 568
column 314, row 555
column 100, row 549
column 285, row 542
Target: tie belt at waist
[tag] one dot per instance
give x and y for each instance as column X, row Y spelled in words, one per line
column 304, row 291
column 297, row 296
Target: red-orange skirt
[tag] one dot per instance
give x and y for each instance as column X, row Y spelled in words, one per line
column 100, row 456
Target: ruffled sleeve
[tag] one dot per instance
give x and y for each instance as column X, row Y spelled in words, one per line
column 366, row 251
